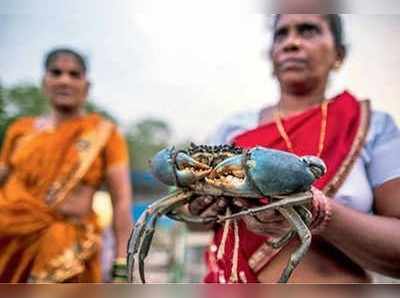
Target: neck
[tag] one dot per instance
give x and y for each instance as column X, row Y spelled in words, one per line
column 64, row 115
column 293, row 102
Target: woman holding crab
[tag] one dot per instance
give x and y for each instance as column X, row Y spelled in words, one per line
column 354, row 205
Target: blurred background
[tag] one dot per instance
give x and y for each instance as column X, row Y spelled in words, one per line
column 168, row 73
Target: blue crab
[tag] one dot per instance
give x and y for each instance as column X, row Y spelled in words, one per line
column 230, row 171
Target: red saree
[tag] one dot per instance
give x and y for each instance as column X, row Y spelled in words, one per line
column 347, row 124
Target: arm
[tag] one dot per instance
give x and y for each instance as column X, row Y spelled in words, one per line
column 119, row 185
column 372, row 241
column 121, row 193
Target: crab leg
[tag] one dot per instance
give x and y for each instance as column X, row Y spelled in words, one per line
column 138, row 231
column 277, row 243
column 307, row 218
column 305, row 237
column 181, row 216
column 285, row 201
column 141, row 238
column 305, row 214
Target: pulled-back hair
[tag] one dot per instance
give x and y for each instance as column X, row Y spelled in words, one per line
column 55, row 53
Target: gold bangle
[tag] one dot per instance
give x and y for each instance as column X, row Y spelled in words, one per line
column 120, row 261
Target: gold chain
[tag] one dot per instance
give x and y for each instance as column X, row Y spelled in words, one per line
column 285, row 137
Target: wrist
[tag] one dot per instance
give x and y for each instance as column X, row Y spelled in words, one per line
column 322, row 213
column 119, row 270
column 120, row 261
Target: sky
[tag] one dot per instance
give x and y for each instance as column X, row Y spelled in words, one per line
column 190, row 63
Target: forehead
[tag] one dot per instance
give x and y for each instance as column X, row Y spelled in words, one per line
column 287, row 20
column 66, row 61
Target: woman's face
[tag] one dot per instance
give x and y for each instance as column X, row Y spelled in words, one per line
column 65, row 84
column 303, row 51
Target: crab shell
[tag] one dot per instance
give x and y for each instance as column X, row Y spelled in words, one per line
column 278, row 172
column 268, row 171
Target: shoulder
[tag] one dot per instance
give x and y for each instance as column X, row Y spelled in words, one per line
column 97, row 119
column 234, row 125
column 382, row 127
column 21, row 125
column 381, row 149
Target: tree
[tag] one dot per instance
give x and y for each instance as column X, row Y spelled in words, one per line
column 145, row 138
column 22, row 100
column 17, row 101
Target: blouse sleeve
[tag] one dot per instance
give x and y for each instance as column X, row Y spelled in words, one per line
column 116, row 150
column 383, row 149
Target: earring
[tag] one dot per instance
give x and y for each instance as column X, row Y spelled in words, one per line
column 337, row 65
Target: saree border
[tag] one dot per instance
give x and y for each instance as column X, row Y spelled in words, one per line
column 88, row 147
column 265, row 253
column 71, row 262
column 347, row 164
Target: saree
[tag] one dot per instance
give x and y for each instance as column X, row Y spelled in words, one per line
column 45, row 164
column 237, row 255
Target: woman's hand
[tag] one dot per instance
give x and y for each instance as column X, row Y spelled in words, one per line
column 272, row 223
column 208, row 206
column 266, row 223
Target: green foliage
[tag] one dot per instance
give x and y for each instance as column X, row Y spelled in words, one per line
column 24, row 100
column 145, row 138
column 17, row 101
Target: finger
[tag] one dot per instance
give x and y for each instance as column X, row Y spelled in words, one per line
column 269, row 216
column 269, row 220
column 275, row 229
column 245, row 202
column 198, row 205
column 241, row 203
column 219, row 207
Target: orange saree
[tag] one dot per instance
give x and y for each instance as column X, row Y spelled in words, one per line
column 44, row 165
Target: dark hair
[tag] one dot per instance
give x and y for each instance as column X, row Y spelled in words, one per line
column 53, row 55
column 335, row 25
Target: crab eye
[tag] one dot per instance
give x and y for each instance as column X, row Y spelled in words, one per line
column 316, row 165
column 162, row 166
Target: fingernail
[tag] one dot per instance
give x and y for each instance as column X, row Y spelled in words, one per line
column 238, row 203
column 207, row 200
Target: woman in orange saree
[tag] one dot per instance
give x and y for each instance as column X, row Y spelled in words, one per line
column 50, row 167
column 355, row 207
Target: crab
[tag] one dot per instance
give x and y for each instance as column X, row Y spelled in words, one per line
column 230, row 171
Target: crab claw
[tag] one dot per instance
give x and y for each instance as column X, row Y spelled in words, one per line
column 230, row 176
column 265, row 172
column 189, row 170
column 315, row 164
column 162, row 166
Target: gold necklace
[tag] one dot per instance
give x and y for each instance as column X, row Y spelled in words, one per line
column 322, row 134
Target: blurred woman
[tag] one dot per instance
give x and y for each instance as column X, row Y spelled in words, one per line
column 50, row 168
